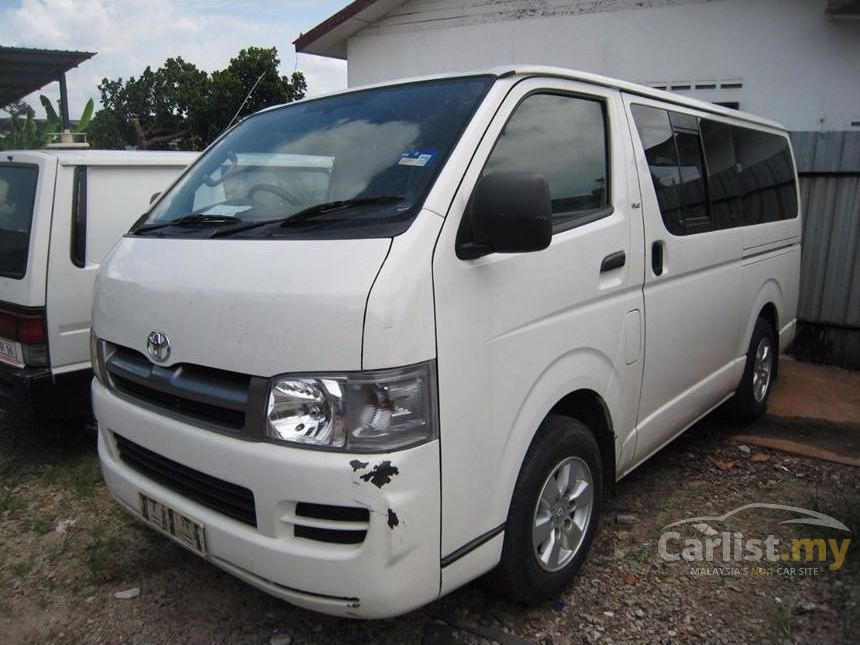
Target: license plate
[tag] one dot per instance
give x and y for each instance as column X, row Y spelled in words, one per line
column 183, row 529
column 10, row 352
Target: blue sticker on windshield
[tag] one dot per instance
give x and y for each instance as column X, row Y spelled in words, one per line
column 417, row 158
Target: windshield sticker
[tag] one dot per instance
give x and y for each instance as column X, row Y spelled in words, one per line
column 227, row 210
column 417, row 158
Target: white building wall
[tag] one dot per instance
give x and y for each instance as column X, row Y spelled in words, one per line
column 796, row 66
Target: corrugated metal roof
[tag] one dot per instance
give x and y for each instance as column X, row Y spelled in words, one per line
column 24, row 70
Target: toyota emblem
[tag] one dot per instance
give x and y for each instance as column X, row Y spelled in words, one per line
column 158, row 346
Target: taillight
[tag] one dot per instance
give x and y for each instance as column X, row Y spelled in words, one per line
column 8, row 326
column 29, row 329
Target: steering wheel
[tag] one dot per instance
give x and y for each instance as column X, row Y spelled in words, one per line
column 275, row 190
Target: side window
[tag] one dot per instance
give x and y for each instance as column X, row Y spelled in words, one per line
column 563, row 138
column 673, row 149
column 766, row 176
column 78, row 246
column 723, row 175
column 655, row 131
column 694, row 192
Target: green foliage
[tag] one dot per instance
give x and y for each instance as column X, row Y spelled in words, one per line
column 10, row 502
column 55, row 122
column 180, row 106
column 80, row 477
column 20, row 131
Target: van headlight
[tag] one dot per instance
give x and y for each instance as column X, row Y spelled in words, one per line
column 364, row 411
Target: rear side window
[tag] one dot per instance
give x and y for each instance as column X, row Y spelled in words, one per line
column 723, row 173
column 564, row 139
column 710, row 175
column 694, row 190
column 17, row 196
column 767, row 183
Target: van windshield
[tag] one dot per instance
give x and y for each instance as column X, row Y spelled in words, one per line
column 352, row 165
column 17, row 196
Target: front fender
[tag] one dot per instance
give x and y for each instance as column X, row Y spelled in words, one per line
column 581, row 369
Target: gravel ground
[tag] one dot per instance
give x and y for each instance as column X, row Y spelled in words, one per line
column 66, row 550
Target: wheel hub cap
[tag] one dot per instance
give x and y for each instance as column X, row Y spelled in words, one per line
column 562, row 514
column 762, row 369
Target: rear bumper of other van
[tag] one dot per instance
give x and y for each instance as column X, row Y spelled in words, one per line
column 349, row 535
column 34, row 392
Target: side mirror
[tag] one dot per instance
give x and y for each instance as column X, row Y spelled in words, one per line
column 154, row 197
column 510, row 212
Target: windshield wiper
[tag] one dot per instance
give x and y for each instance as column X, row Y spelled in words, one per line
column 186, row 220
column 309, row 213
column 316, row 210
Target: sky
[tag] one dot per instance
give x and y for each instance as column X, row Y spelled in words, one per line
column 128, row 35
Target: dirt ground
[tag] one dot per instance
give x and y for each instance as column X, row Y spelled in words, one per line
column 66, row 550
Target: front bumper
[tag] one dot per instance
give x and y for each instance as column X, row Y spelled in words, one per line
column 395, row 569
column 37, row 393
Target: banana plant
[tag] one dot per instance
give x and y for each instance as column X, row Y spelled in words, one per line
column 55, row 123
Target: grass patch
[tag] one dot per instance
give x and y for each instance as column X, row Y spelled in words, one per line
column 21, row 569
column 41, row 524
column 54, row 551
column 80, row 478
column 10, row 502
column 784, row 622
column 100, row 556
column 7, row 468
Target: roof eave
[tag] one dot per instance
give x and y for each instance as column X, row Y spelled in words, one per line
column 329, row 38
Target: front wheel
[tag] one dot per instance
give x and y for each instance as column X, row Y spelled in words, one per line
column 553, row 514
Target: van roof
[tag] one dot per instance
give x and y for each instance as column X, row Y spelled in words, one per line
column 635, row 88
column 528, row 71
column 110, row 157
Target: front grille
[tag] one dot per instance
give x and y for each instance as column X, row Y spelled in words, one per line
column 211, row 397
column 230, row 499
column 183, row 407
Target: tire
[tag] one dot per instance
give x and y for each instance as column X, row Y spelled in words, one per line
column 750, row 399
column 527, row 572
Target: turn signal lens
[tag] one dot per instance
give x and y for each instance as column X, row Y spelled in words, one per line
column 97, row 357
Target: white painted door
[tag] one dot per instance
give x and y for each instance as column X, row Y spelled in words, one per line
column 692, row 278
column 518, row 332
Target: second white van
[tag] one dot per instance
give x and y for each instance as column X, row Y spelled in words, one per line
column 61, row 211
column 377, row 344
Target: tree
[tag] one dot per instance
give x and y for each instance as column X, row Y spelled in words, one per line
column 178, row 105
column 253, row 74
column 19, row 133
column 153, row 110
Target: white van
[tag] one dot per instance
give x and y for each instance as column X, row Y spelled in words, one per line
column 61, row 211
column 358, row 384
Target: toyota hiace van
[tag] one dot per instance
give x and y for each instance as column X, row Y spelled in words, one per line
column 374, row 345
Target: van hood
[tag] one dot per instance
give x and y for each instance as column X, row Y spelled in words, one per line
column 259, row 307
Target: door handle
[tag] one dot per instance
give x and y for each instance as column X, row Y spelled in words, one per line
column 657, row 257
column 613, row 261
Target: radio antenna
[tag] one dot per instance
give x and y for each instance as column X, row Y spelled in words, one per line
column 245, row 101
